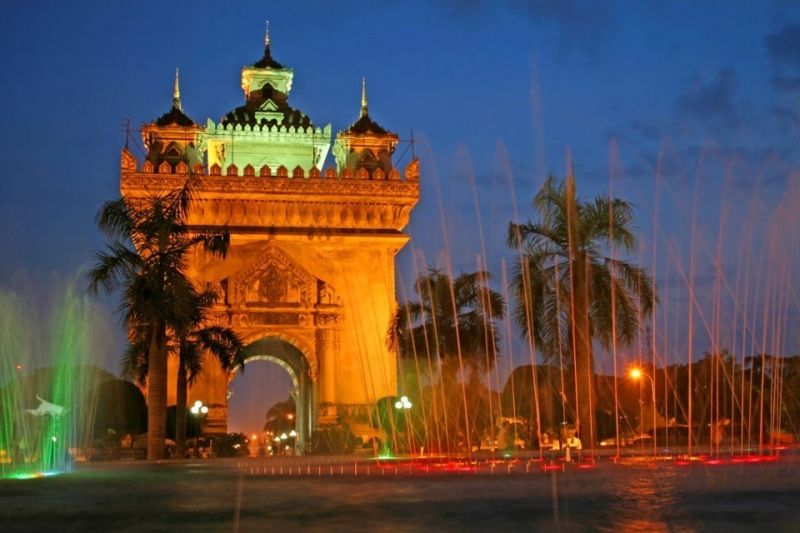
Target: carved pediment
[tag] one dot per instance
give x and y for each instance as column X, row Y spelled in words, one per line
column 268, row 105
column 273, row 279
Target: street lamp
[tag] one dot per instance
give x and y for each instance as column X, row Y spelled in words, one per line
column 403, row 403
column 404, row 406
column 198, row 408
column 636, row 373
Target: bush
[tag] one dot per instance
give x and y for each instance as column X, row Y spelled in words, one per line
column 333, row 439
column 121, row 407
column 230, row 445
column 193, row 427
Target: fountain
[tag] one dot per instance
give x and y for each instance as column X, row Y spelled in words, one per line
column 47, row 385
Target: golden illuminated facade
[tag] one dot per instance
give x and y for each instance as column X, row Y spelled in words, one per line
column 309, row 280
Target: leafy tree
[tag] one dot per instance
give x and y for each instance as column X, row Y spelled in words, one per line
column 453, row 321
column 146, row 259
column 195, row 338
column 571, row 289
column 120, row 407
column 280, row 417
column 451, row 329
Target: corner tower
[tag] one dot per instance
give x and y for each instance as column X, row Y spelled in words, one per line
column 365, row 144
column 174, row 138
column 266, row 131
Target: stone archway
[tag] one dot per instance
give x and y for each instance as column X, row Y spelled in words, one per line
column 279, row 351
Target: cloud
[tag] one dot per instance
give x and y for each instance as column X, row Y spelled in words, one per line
column 785, row 83
column 783, row 51
column 787, row 117
column 783, row 46
column 649, row 129
column 582, row 21
column 712, row 103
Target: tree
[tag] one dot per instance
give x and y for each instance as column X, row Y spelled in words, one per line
column 121, row 407
column 280, row 417
column 570, row 288
column 195, row 337
column 146, row 259
column 450, row 328
column 452, row 322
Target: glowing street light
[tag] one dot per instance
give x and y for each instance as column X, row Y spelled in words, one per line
column 636, row 373
column 198, row 408
column 403, row 403
column 292, row 433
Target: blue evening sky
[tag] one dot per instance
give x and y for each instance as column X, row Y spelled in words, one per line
column 649, row 98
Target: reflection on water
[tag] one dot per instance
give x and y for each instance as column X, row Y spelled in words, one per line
column 646, row 500
column 216, row 496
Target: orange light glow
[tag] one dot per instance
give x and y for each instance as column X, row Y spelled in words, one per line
column 635, row 373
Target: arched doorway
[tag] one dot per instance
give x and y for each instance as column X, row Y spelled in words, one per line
column 294, row 362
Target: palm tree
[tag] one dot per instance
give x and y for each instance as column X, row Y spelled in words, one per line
column 452, row 321
column 146, row 259
column 569, row 287
column 451, row 328
column 280, row 417
column 195, row 338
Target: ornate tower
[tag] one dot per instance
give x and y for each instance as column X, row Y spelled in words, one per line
column 266, row 131
column 309, row 280
column 365, row 144
column 173, row 138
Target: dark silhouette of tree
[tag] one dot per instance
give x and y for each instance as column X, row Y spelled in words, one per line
column 146, row 260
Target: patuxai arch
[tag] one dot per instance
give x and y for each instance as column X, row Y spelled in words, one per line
column 309, row 280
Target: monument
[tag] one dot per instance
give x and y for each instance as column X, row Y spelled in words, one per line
column 309, row 280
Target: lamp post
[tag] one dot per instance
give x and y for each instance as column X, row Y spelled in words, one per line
column 198, row 408
column 636, row 373
column 199, row 411
column 404, row 406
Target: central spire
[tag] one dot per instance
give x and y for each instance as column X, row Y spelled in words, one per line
column 266, row 35
column 176, row 92
column 364, row 110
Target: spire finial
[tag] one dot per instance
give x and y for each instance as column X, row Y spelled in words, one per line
column 363, row 96
column 266, row 34
column 176, row 92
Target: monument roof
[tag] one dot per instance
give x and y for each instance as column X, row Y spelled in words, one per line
column 269, row 103
column 267, row 61
column 175, row 116
column 365, row 125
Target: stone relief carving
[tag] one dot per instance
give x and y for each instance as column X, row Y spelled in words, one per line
column 369, row 188
column 272, row 286
column 325, row 294
column 272, row 280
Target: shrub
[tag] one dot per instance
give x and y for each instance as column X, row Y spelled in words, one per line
column 230, row 445
column 332, row 440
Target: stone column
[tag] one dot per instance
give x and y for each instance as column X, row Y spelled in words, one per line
column 326, row 353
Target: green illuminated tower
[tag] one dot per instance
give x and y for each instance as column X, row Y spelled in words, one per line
column 266, row 130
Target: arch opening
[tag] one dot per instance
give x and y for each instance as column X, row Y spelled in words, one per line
column 289, row 358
